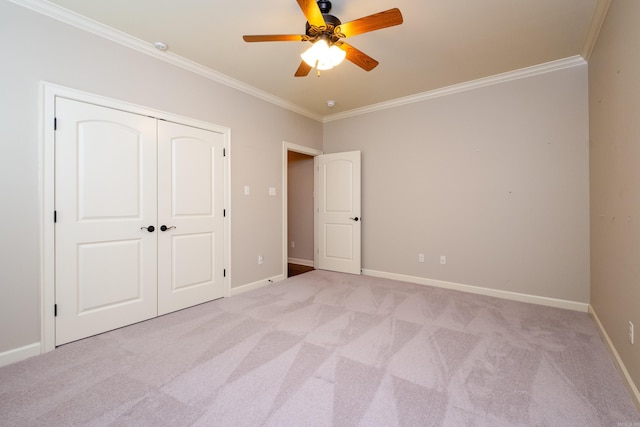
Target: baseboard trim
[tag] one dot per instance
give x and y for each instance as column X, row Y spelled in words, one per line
column 18, row 354
column 299, row 261
column 255, row 285
column 633, row 389
column 514, row 296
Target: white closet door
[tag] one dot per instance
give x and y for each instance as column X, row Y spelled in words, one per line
column 190, row 216
column 106, row 274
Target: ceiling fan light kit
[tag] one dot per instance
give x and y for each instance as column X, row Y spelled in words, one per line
column 323, row 57
column 326, row 32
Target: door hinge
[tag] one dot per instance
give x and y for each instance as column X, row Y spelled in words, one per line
column 224, row 213
column 55, row 216
column 55, row 310
column 55, row 123
column 224, row 152
column 224, row 272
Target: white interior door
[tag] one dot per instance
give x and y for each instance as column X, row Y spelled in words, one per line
column 190, row 216
column 105, row 163
column 338, row 228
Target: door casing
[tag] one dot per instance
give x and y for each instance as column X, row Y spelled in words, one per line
column 48, row 94
column 286, row 147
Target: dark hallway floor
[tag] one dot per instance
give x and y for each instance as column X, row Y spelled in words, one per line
column 295, row 269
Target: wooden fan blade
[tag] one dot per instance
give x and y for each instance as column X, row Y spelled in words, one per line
column 303, row 69
column 312, row 12
column 274, row 38
column 385, row 19
column 358, row 57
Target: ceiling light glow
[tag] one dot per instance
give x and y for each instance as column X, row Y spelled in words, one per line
column 323, row 57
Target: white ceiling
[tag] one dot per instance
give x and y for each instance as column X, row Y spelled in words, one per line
column 440, row 43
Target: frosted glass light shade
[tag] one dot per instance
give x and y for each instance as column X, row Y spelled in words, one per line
column 323, row 57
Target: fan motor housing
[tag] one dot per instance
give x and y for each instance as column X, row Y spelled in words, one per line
column 330, row 20
column 331, row 23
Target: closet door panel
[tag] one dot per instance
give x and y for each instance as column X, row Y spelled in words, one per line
column 105, row 194
column 190, row 207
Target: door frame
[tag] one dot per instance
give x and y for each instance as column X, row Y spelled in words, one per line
column 286, row 147
column 48, row 94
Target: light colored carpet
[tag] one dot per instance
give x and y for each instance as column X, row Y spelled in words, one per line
column 323, row 349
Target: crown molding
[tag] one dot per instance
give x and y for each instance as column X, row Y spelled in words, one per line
column 597, row 20
column 573, row 61
column 82, row 22
column 71, row 18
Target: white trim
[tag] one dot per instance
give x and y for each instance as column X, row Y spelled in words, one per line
column 82, row 22
column 49, row 93
column 513, row 296
column 299, row 261
column 18, row 354
column 573, row 61
column 256, row 285
column 47, row 233
column 78, row 95
column 597, row 20
column 227, row 219
column 286, row 147
column 618, row 360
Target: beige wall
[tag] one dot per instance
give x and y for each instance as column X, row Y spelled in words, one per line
column 614, row 88
column 300, row 206
column 36, row 48
column 496, row 179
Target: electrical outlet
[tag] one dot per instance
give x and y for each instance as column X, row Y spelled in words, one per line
column 260, row 259
column 631, row 337
column 293, row 244
column 443, row 259
column 420, row 257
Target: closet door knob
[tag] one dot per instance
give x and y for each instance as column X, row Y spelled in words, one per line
column 165, row 228
column 356, row 219
column 150, row 228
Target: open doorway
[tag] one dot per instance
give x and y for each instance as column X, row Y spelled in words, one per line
column 299, row 213
column 298, row 226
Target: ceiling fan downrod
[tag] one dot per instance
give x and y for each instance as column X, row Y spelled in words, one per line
column 325, row 7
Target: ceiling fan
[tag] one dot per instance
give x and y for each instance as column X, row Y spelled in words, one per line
column 326, row 32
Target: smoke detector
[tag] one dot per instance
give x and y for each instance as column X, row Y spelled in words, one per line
column 160, row 46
